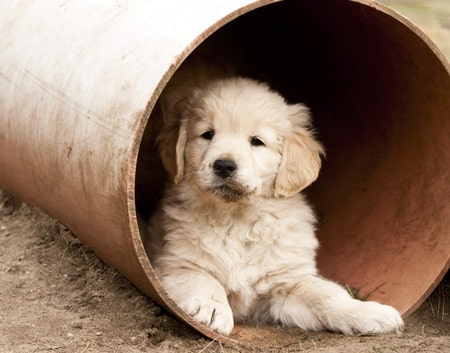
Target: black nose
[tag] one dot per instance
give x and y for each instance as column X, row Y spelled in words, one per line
column 224, row 168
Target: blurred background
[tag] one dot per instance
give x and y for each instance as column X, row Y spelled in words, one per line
column 431, row 16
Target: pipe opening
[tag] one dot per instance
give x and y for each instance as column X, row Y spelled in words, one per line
column 379, row 97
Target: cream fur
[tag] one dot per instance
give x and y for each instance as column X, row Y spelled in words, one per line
column 242, row 248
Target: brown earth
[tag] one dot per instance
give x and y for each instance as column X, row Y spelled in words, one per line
column 56, row 295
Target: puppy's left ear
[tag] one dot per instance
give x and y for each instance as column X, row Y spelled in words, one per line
column 301, row 156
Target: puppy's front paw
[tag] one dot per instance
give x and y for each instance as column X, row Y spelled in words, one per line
column 213, row 313
column 371, row 318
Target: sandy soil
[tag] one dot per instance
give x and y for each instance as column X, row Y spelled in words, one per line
column 56, row 295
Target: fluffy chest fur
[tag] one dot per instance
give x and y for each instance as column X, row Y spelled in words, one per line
column 250, row 248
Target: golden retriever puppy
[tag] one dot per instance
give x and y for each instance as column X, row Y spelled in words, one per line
column 233, row 240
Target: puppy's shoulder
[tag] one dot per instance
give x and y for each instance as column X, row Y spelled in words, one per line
column 296, row 206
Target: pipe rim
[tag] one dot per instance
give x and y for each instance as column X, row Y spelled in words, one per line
column 131, row 165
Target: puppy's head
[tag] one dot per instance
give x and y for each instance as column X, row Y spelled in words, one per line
column 238, row 138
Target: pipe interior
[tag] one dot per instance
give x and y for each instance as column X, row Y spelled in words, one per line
column 382, row 196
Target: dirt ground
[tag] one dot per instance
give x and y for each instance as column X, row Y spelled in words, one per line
column 57, row 296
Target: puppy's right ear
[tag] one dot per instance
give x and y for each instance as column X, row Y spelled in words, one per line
column 171, row 143
column 179, row 151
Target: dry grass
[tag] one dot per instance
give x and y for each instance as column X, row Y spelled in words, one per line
column 438, row 301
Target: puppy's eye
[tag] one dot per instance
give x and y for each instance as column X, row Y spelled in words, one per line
column 255, row 141
column 208, row 135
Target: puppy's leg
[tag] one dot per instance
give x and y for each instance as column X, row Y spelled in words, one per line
column 201, row 296
column 316, row 303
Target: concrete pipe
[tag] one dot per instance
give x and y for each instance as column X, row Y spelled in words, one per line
column 79, row 80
